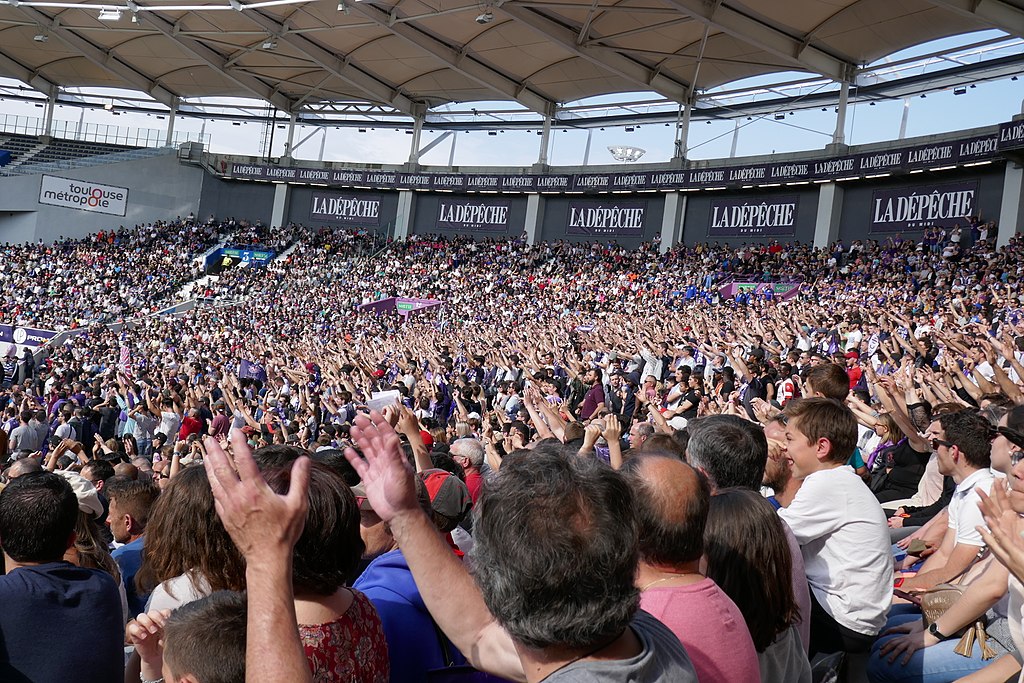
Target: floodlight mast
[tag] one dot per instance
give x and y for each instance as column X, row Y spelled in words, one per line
column 625, row 153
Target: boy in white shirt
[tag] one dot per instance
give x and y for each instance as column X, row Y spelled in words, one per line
column 841, row 529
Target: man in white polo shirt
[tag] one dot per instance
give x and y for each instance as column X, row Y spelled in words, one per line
column 962, row 444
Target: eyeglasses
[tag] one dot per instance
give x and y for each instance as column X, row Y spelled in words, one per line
column 939, row 442
column 1016, row 457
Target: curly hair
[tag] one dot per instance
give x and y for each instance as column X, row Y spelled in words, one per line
column 185, row 536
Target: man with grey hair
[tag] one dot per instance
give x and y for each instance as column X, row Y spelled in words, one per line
column 469, row 453
column 732, row 451
column 552, row 597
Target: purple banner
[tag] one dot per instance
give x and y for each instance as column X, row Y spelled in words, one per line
column 363, row 209
column 619, row 219
column 923, row 206
column 249, row 370
column 773, row 216
column 459, row 214
column 25, row 336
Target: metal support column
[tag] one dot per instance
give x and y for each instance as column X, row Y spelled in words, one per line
column 170, row 122
column 903, row 120
column 839, row 137
column 291, row 137
column 417, row 133
column 51, row 104
column 545, row 140
column 682, row 131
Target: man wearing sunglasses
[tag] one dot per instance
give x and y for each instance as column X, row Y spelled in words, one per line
column 962, row 444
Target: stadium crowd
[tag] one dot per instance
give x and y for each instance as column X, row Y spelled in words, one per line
column 588, row 465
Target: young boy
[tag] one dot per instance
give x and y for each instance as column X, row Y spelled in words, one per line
column 841, row 529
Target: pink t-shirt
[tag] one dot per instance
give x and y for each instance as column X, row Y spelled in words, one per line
column 711, row 628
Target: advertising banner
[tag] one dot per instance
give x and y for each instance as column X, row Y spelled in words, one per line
column 922, row 206
column 345, row 208
column 699, row 175
column 25, row 336
column 458, row 214
column 83, row 195
column 614, row 219
column 735, row 216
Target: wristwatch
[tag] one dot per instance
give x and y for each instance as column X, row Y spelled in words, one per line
column 934, row 630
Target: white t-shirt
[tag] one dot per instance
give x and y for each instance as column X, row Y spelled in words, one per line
column 964, row 513
column 844, row 537
column 169, row 424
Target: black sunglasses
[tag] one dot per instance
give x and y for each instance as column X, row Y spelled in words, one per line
column 939, row 442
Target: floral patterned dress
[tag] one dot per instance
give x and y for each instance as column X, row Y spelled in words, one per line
column 350, row 649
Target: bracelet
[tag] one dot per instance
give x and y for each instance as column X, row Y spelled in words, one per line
column 142, row 679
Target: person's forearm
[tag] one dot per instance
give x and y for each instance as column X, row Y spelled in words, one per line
column 453, row 598
column 273, row 650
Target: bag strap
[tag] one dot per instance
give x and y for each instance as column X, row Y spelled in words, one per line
column 442, row 640
column 959, row 578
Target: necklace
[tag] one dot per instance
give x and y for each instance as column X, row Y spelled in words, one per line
column 668, row 578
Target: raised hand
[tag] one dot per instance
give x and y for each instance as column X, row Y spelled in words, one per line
column 1004, row 525
column 260, row 522
column 386, row 474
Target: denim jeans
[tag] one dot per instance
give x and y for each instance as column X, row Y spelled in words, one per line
column 935, row 664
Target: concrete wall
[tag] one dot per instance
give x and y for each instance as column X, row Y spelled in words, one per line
column 227, row 198
column 158, row 188
column 697, row 221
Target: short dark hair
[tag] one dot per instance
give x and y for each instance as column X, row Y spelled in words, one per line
column 101, row 469
column 206, row 638
column 825, row 418
column 335, row 460
column 38, row 512
column 134, row 497
column 277, row 455
column 971, row 433
column 328, row 551
column 732, row 451
column 830, row 380
column 671, row 509
column 556, row 550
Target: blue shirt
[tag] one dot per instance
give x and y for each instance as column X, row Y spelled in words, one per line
column 80, row 606
column 129, row 559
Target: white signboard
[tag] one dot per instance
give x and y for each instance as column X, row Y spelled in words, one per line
column 83, row 195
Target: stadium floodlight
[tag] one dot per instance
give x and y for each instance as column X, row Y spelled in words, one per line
column 269, row 44
column 110, row 15
column 40, row 37
column 236, row 5
column 626, row 153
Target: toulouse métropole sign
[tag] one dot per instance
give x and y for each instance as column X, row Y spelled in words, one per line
column 732, row 216
column 622, row 219
column 918, row 157
column 923, row 206
column 345, row 208
column 458, row 214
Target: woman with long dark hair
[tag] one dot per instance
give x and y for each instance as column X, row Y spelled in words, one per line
column 748, row 557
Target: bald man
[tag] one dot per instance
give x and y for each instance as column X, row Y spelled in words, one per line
column 672, row 502
column 24, row 466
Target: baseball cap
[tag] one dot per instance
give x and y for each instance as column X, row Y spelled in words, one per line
column 85, row 492
column 449, row 496
column 852, row 354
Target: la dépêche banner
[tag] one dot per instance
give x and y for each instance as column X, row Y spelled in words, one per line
column 923, row 206
column 938, row 155
column 734, row 216
column 83, row 195
column 484, row 215
column 345, row 208
column 618, row 219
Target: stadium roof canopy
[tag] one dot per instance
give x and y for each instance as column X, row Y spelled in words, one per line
column 410, row 56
